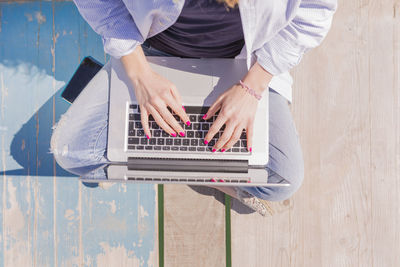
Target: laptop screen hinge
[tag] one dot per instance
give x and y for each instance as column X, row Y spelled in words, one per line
column 188, row 165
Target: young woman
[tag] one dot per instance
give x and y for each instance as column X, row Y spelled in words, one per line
column 271, row 35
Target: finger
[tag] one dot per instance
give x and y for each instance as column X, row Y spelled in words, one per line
column 234, row 138
column 160, row 121
column 167, row 116
column 175, row 94
column 214, row 129
column 214, row 108
column 249, row 133
column 177, row 108
column 227, row 134
column 144, row 117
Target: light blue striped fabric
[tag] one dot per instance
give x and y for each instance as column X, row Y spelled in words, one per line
column 277, row 33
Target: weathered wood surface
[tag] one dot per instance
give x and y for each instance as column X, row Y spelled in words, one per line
column 48, row 217
column 347, row 112
column 346, row 107
column 194, row 226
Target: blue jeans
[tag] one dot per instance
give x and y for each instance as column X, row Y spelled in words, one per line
column 79, row 139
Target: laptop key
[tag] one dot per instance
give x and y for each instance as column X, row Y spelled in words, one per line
column 157, row 147
column 167, row 148
column 196, row 126
column 193, row 142
column 157, row 133
column 131, row 132
column 148, row 148
column 131, row 147
column 140, row 132
column 154, row 125
column 138, row 125
column 160, row 141
column 169, row 141
column 143, row 141
column 177, row 142
column 237, row 144
column 243, row 150
column 235, row 149
column 189, row 127
column 192, row 148
column 183, row 148
column 201, row 149
column 198, row 134
column 131, row 125
column 205, row 126
column 140, row 147
column 174, row 148
column 192, row 118
column 165, row 134
column 185, row 142
column 133, row 140
column 190, row 134
column 152, row 141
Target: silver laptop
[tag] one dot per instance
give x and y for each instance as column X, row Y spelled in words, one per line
column 184, row 160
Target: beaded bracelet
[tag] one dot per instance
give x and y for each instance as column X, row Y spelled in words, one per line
column 249, row 90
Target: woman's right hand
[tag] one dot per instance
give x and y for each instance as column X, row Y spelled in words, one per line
column 154, row 95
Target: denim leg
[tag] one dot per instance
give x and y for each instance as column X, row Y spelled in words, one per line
column 285, row 154
column 79, row 139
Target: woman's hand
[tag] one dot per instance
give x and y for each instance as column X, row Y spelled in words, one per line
column 237, row 110
column 154, row 95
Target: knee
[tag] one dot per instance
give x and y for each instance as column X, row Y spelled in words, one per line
column 58, row 147
column 294, row 176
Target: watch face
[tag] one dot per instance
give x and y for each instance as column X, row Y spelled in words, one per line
column 82, row 76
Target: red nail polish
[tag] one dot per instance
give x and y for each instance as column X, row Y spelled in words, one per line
column 221, row 180
column 214, row 150
column 250, row 149
column 188, row 123
column 147, row 136
column 205, row 116
column 205, row 141
column 173, row 134
column 183, row 108
column 222, row 150
column 182, row 134
column 213, row 180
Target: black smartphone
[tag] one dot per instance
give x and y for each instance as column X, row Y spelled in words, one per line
column 82, row 76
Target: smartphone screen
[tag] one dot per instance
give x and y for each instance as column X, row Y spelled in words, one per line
column 82, row 76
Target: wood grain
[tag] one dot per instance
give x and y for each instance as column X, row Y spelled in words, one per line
column 194, row 226
column 346, row 106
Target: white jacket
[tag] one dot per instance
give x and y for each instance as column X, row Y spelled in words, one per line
column 276, row 32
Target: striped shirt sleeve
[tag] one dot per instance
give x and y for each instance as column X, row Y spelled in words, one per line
column 113, row 22
column 307, row 30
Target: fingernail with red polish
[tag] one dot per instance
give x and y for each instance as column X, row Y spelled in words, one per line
column 250, row 149
column 222, row 150
column 147, row 136
column 213, row 180
column 188, row 123
column 183, row 108
column 173, row 134
column 214, row 150
column 205, row 141
column 182, row 134
column 205, row 116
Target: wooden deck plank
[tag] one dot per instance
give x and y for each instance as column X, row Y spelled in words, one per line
column 385, row 131
column 42, row 220
column 346, row 113
column 118, row 222
column 194, row 226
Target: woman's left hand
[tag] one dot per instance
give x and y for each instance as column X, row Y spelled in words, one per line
column 237, row 110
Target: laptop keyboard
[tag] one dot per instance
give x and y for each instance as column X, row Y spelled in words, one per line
column 192, row 142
